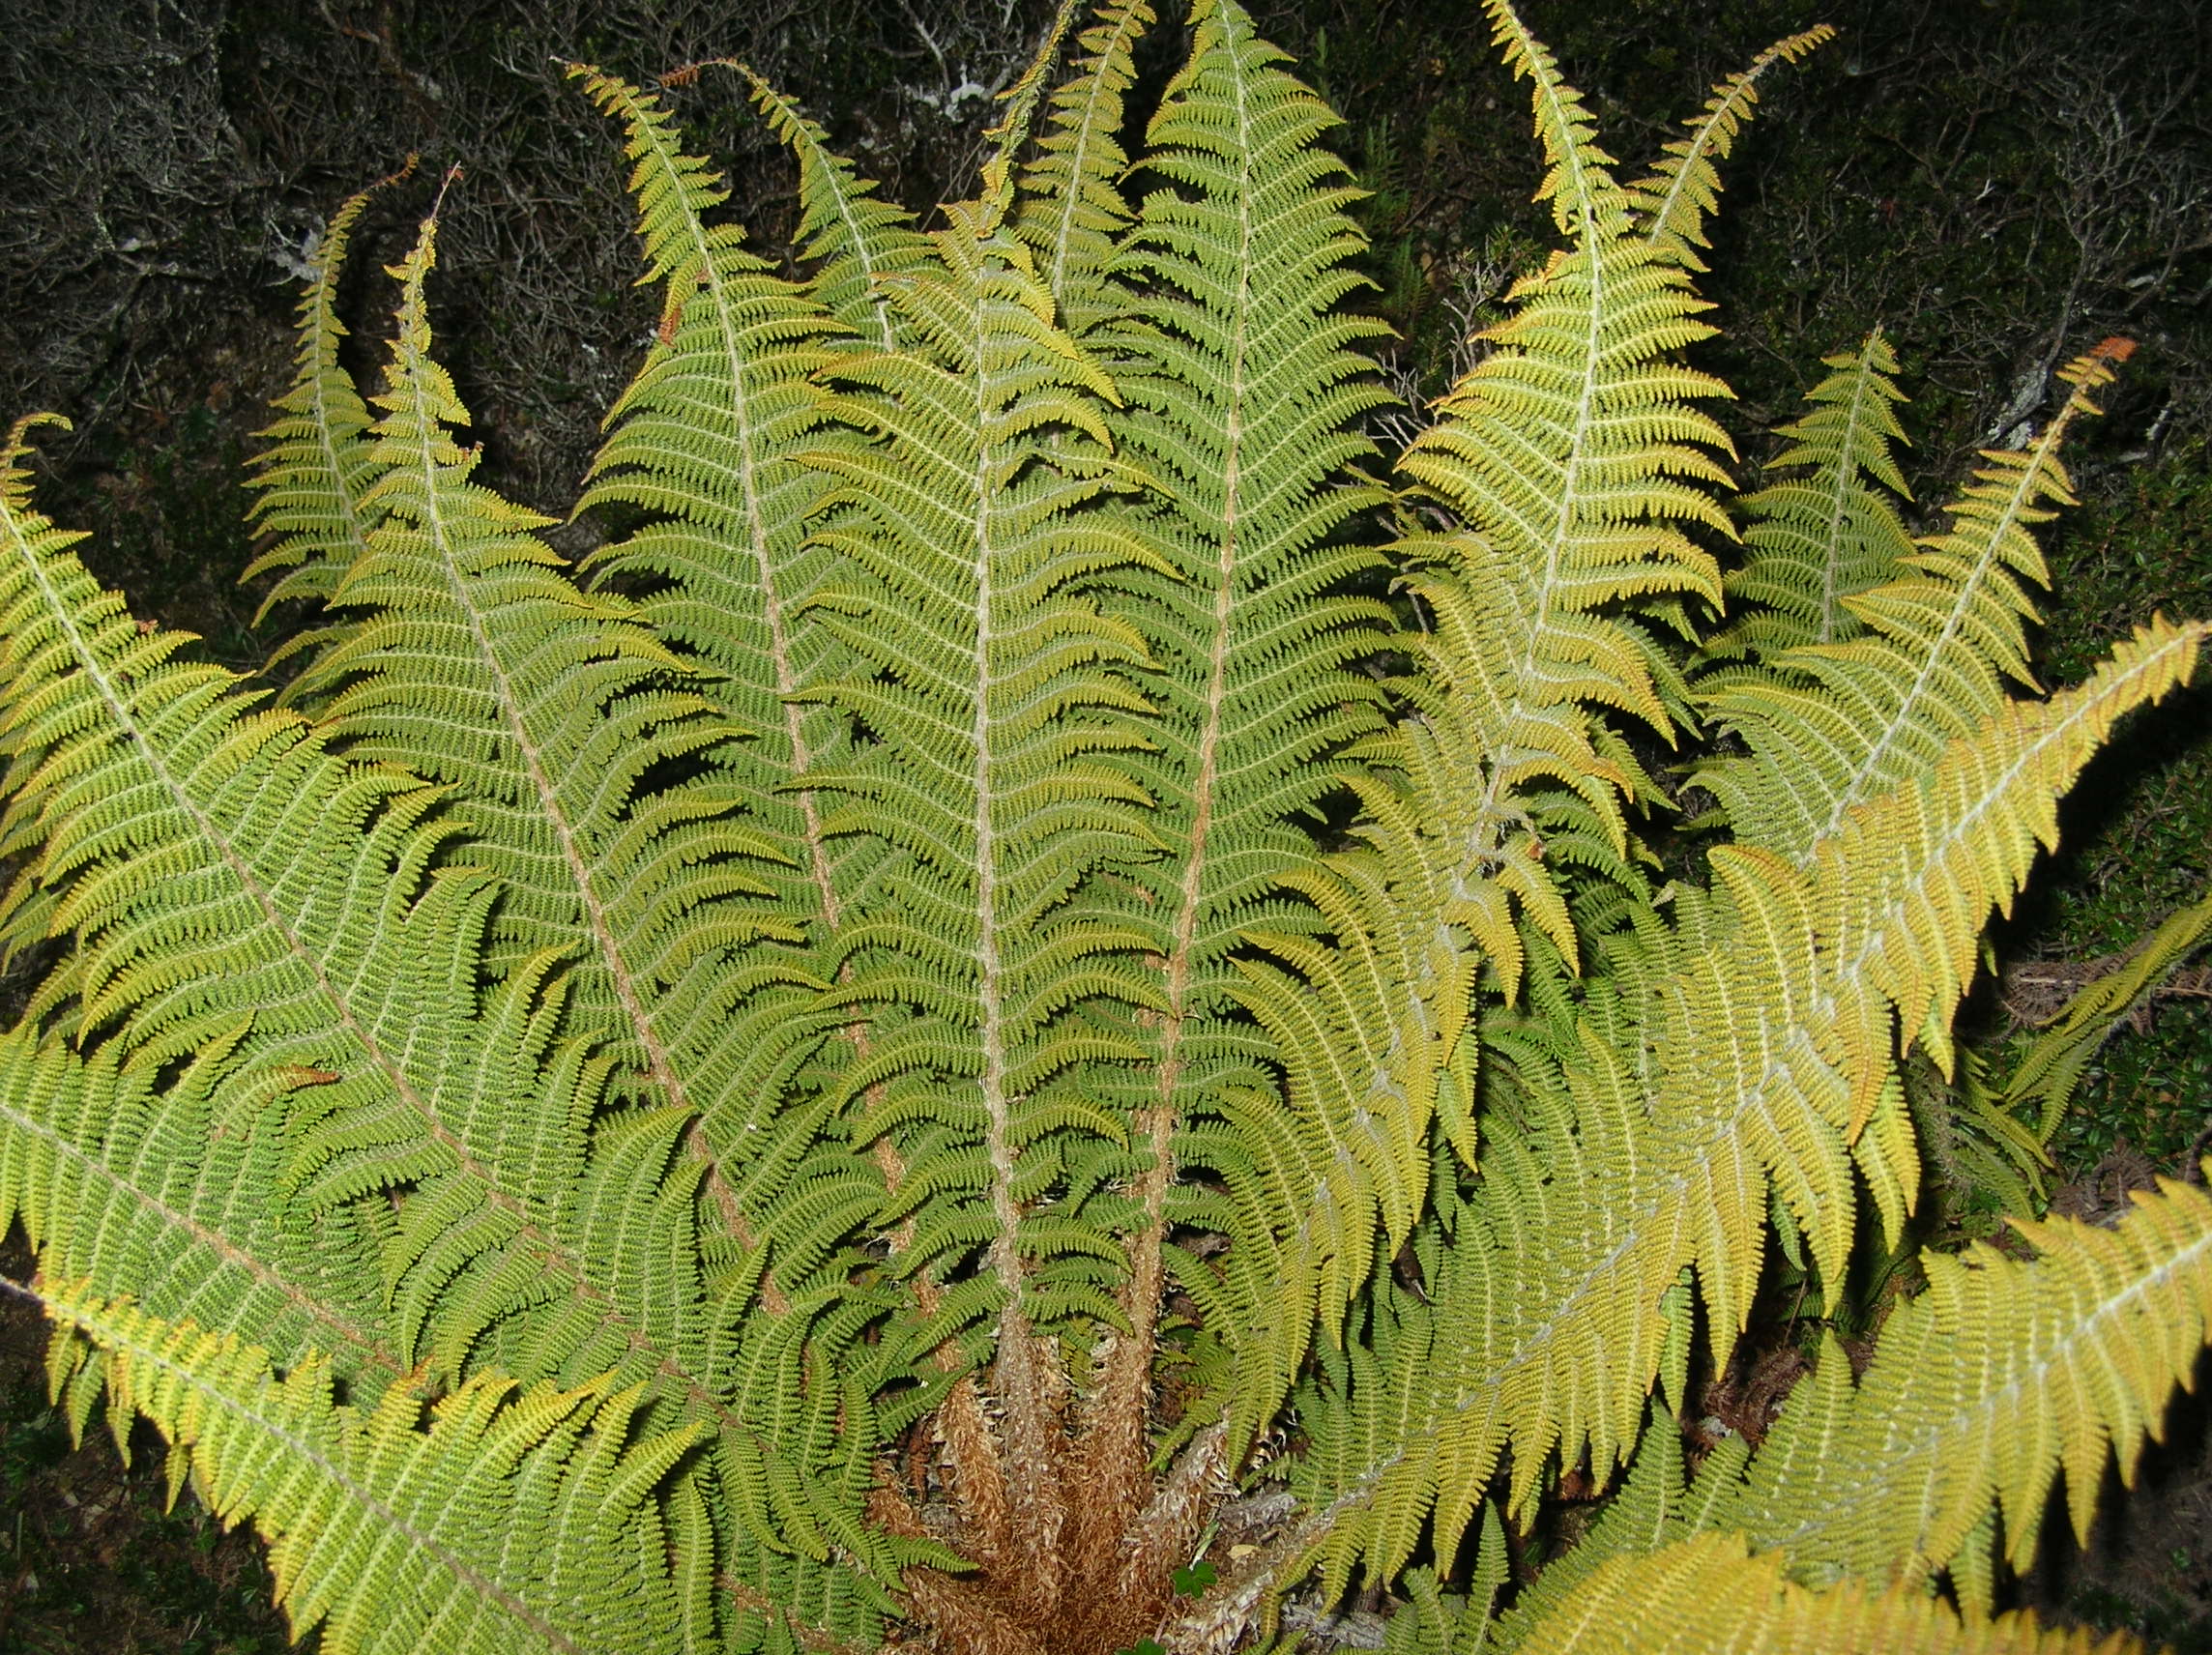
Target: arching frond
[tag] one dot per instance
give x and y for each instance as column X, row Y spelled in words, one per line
column 458, row 618
column 2000, row 1375
column 1763, row 1057
column 1912, row 876
column 1572, row 456
column 1568, row 458
column 520, row 1520
column 703, row 439
column 157, row 1192
column 314, row 479
column 1005, row 701
column 1009, row 135
column 239, row 894
column 313, row 945
column 1673, row 203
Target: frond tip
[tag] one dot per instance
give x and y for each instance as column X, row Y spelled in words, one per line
column 1998, row 1377
column 1820, row 538
column 1673, row 202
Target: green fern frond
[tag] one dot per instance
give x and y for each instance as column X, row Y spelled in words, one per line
column 314, row 479
column 1005, row 701
column 1564, row 453
column 232, row 886
column 1243, row 401
column 158, row 1192
column 704, row 439
column 520, row 1520
column 1912, row 877
column 1571, row 456
column 1674, row 200
column 1816, row 541
column 310, row 926
column 855, row 242
column 1582, row 192
column 1707, row 1596
column 458, row 618
column 1983, row 1388
column 1071, row 211
column 1839, row 723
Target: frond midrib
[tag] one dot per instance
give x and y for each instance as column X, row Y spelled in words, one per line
column 1840, row 1506
column 2018, row 501
column 709, row 276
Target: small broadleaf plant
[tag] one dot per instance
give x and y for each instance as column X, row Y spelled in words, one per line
column 1040, row 1012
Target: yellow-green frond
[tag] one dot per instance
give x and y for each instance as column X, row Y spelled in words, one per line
column 2042, row 1082
column 1579, row 184
column 1836, row 724
column 1910, row 878
column 703, row 440
column 1984, row 1389
column 242, row 898
column 1244, row 401
column 1570, row 461
column 313, row 481
column 468, row 655
column 1004, row 698
column 521, row 1518
column 1761, row 1061
column 1708, row 1596
column 1674, row 201
column 1010, row 136
column 174, row 1196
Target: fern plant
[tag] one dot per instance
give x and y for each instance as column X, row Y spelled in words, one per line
column 824, row 1081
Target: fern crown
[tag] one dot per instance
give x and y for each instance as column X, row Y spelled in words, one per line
column 1052, row 965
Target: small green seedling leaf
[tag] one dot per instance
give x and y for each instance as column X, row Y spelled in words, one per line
column 1190, row 1582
